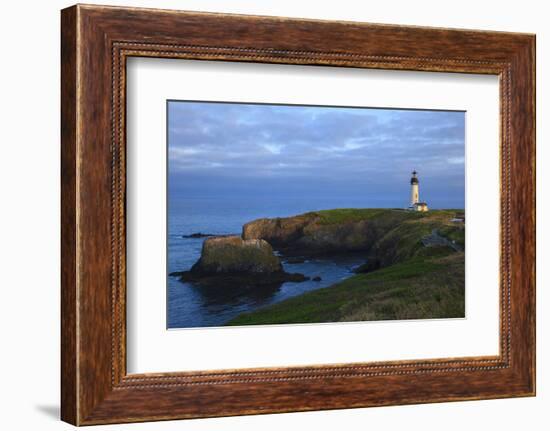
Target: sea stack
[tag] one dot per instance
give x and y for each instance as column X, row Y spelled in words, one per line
column 232, row 254
column 239, row 263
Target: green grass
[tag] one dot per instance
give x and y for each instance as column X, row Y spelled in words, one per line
column 343, row 215
column 402, row 242
column 454, row 233
column 419, row 288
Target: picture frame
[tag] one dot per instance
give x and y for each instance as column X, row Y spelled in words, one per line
column 96, row 42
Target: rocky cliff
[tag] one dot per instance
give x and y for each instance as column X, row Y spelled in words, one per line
column 387, row 236
column 414, row 265
column 307, row 234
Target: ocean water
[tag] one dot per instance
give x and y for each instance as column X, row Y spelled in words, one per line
column 190, row 306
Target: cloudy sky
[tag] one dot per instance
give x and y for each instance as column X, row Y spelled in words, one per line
column 224, row 149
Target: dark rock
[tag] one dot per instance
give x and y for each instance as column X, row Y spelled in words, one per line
column 317, row 278
column 203, row 235
column 295, row 259
column 241, row 281
column 296, row 277
column 371, row 265
column 197, row 235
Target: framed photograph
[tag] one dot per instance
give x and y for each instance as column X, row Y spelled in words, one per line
column 263, row 214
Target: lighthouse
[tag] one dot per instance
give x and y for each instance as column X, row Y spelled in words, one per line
column 414, row 189
column 416, row 205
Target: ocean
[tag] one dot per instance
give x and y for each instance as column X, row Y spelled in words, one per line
column 189, row 306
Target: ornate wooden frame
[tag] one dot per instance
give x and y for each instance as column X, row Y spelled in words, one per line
column 96, row 41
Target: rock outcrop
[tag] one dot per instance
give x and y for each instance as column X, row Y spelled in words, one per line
column 232, row 254
column 279, row 231
column 386, row 236
column 309, row 234
column 198, row 235
column 306, row 234
column 233, row 261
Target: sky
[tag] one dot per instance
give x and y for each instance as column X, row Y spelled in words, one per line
column 254, row 150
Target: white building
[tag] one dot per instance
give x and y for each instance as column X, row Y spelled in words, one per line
column 416, row 205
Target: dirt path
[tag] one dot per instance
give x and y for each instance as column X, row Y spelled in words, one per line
column 434, row 239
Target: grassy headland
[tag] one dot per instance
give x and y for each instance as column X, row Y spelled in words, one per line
column 418, row 271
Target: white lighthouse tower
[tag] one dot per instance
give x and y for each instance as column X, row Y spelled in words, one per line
column 414, row 189
column 416, row 205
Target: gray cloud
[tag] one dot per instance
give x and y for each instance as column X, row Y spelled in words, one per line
column 221, row 147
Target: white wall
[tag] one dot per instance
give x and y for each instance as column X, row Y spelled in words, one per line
column 29, row 216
